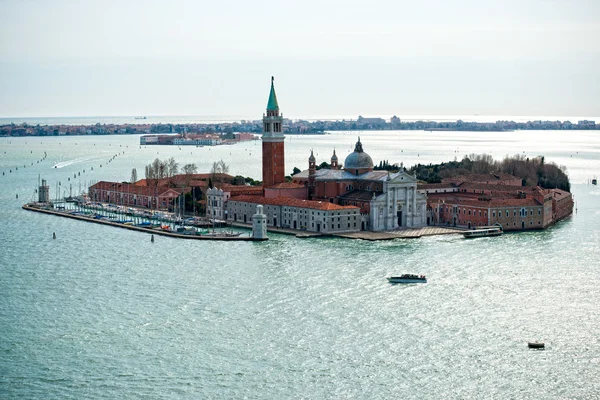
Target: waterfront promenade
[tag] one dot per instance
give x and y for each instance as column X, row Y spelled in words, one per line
column 402, row 233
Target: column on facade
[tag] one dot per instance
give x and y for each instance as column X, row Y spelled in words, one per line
column 395, row 209
column 374, row 212
column 406, row 214
column 386, row 220
column 414, row 207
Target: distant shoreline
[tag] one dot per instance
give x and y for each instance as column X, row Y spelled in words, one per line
column 466, row 130
column 291, row 127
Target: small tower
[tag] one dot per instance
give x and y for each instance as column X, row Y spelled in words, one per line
column 273, row 142
column 44, row 192
column 259, row 224
column 312, row 171
column 334, row 161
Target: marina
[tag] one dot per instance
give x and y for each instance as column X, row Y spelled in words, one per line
column 147, row 227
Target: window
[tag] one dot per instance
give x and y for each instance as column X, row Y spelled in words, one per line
column 507, row 213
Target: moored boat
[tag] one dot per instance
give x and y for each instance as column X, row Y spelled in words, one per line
column 407, row 278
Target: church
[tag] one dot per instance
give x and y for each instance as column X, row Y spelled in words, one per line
column 387, row 200
column 347, row 199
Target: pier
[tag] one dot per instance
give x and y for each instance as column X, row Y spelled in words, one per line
column 45, row 209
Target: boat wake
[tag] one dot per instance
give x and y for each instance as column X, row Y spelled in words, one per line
column 63, row 164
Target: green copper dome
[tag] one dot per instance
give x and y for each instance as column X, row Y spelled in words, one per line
column 272, row 104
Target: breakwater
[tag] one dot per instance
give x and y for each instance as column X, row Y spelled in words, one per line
column 210, row 236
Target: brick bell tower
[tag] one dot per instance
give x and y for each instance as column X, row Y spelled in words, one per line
column 273, row 161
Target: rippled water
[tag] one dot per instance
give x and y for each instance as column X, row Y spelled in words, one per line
column 104, row 313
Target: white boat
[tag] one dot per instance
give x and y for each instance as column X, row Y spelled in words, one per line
column 407, row 278
column 483, row 232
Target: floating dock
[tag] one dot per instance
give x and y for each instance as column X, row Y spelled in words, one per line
column 62, row 213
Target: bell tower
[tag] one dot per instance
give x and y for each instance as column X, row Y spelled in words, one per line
column 334, row 161
column 273, row 161
column 312, row 170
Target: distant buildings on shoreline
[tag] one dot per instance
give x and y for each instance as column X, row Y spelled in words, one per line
column 225, row 130
column 205, row 139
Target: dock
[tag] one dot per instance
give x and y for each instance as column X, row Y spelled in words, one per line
column 36, row 207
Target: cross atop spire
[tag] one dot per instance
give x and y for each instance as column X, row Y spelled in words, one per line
column 272, row 105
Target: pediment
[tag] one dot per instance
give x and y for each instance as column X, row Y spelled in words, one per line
column 402, row 177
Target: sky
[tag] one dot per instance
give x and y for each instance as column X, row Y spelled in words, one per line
column 329, row 58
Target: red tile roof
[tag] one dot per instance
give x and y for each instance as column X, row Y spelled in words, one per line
column 291, row 202
column 240, row 189
column 183, row 179
column 560, row 194
column 287, row 185
column 158, row 191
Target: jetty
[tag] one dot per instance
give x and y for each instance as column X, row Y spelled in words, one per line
column 47, row 209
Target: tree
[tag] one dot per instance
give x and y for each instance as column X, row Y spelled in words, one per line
column 296, row 171
column 134, row 176
column 224, row 167
column 190, row 169
column 239, row 180
column 219, row 167
column 323, row 165
column 172, row 167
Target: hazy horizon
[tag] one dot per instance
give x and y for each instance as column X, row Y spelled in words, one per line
column 333, row 58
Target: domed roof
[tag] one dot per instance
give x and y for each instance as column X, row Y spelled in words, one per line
column 334, row 156
column 312, row 157
column 358, row 159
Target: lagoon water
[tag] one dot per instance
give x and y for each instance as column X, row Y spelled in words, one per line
column 104, row 313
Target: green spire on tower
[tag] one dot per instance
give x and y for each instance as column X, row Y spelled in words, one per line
column 272, row 104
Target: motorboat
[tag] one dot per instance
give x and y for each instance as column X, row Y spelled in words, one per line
column 407, row 278
column 536, row 345
column 483, row 232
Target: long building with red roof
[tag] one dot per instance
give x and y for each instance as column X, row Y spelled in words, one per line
column 288, row 212
column 473, row 204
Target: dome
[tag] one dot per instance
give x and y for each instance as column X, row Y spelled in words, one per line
column 358, row 159
column 334, row 157
column 312, row 157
